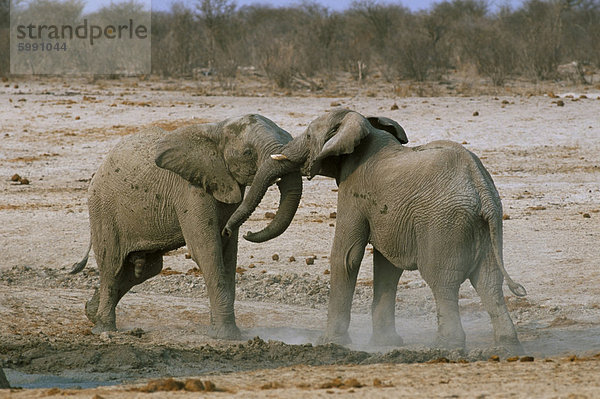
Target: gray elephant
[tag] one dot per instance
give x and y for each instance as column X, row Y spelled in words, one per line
column 157, row 191
column 433, row 208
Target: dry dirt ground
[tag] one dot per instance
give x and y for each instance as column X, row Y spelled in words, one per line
column 544, row 155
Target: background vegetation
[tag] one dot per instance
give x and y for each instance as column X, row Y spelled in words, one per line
column 294, row 45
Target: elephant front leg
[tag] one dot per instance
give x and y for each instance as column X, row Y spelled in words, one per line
column 383, row 310
column 218, row 268
column 346, row 256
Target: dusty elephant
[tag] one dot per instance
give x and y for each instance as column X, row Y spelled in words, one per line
column 433, row 208
column 157, row 191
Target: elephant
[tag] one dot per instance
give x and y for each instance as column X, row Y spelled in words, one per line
column 157, row 191
column 432, row 207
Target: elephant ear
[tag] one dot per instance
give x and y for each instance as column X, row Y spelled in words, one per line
column 344, row 137
column 390, row 126
column 195, row 157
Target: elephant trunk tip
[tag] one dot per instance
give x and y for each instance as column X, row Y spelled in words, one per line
column 226, row 232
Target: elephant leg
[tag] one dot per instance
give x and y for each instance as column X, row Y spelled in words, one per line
column 487, row 281
column 100, row 309
column 450, row 333
column 383, row 310
column 347, row 253
column 206, row 248
column 228, row 329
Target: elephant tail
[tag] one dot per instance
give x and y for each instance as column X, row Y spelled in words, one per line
column 495, row 224
column 77, row 267
column 492, row 213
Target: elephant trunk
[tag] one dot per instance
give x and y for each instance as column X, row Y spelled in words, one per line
column 290, row 187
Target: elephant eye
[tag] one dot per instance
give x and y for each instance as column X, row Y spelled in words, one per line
column 247, row 152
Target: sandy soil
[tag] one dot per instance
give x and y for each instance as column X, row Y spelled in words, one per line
column 545, row 160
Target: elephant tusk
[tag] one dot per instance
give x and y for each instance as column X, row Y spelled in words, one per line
column 279, row 157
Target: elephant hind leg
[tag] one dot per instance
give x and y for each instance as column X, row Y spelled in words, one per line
column 101, row 308
column 383, row 310
column 487, row 281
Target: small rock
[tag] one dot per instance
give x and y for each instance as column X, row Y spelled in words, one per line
column 560, row 103
column 527, row 359
column 335, row 104
column 188, row 256
column 77, row 118
column 333, row 215
column 251, row 266
column 292, row 259
column 24, row 181
column 310, row 261
column 326, row 271
column 15, row 177
column 394, row 107
column 587, row 215
column 494, row 358
column 275, row 257
column 512, row 359
column 464, row 142
column 269, row 215
column 476, row 113
column 506, row 216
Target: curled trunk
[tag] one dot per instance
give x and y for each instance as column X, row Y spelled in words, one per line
column 290, row 187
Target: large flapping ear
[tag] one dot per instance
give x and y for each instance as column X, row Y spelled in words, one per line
column 390, row 126
column 344, row 137
column 193, row 155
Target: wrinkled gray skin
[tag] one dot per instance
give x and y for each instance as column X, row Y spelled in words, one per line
column 3, row 381
column 433, row 208
column 157, row 191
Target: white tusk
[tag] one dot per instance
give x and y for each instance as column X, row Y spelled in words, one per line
column 279, row 157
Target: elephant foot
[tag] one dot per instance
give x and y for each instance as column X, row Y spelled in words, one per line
column 91, row 307
column 450, row 343
column 225, row 331
column 99, row 328
column 511, row 345
column 339, row 339
column 390, row 339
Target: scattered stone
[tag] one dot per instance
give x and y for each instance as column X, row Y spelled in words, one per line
column 394, row 107
column 269, row 215
column 188, row 256
column 527, row 359
column 275, row 257
column 476, row 113
column 310, row 260
column 240, row 270
column 251, row 266
column 137, row 332
column 23, row 181
column 512, row 359
column 494, row 358
column 15, row 177
column 292, row 259
column 335, row 104
column 465, row 142
column 587, row 215
column 333, row 215
column 326, row 271
column 560, row 103
column 506, row 216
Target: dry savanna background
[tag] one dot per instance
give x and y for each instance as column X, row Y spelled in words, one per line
column 520, row 87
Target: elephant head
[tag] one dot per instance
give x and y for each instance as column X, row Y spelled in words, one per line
column 224, row 157
column 315, row 152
